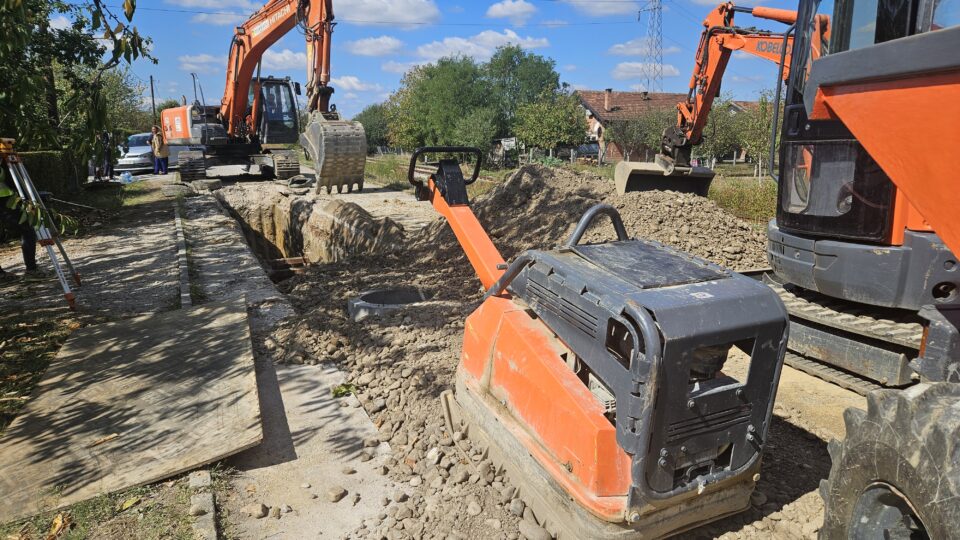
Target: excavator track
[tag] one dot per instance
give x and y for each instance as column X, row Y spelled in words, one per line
column 191, row 165
column 852, row 345
column 830, row 374
column 285, row 164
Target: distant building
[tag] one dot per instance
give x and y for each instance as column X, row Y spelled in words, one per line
column 605, row 106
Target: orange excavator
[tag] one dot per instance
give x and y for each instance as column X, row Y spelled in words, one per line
column 864, row 255
column 593, row 374
column 671, row 168
column 258, row 118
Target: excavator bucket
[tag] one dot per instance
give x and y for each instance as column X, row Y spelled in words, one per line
column 338, row 149
column 661, row 175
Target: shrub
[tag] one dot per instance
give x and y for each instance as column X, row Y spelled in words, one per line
column 50, row 170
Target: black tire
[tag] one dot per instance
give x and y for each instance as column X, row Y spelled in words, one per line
column 897, row 473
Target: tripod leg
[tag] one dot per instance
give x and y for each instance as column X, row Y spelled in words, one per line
column 34, row 196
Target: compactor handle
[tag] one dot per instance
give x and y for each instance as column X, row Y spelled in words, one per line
column 447, row 150
column 588, row 218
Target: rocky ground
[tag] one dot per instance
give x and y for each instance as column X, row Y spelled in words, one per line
column 398, row 365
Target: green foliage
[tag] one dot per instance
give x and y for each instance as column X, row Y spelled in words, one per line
column 38, row 62
column 639, row 138
column 477, row 128
column 754, row 200
column 754, row 129
column 551, row 121
column 375, row 120
column 457, row 100
column 50, row 170
column 518, row 78
column 343, row 390
column 721, row 136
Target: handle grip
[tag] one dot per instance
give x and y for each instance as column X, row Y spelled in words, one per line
column 591, row 215
column 444, row 149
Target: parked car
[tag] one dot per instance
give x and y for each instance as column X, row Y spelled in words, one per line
column 137, row 156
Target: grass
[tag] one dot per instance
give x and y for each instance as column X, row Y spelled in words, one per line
column 157, row 511
column 751, row 199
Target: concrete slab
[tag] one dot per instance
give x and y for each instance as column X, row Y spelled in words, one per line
column 309, row 439
column 133, row 402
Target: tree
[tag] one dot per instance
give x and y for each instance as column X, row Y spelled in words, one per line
column 721, row 134
column 639, row 138
column 433, row 98
column 478, row 129
column 754, row 128
column 169, row 103
column 551, row 121
column 375, row 122
column 518, row 77
column 38, row 61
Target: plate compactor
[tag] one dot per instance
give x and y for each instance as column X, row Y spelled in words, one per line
column 592, row 374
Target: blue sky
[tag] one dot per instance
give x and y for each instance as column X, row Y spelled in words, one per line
column 596, row 43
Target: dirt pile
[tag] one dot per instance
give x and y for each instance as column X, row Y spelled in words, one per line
column 538, row 207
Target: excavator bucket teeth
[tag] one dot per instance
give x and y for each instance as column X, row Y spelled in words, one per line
column 338, row 149
column 640, row 176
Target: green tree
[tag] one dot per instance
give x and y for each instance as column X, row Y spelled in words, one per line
column 38, row 61
column 551, row 121
column 754, row 128
column 478, row 128
column 433, row 98
column 169, row 103
column 721, row 135
column 518, row 77
column 639, row 138
column 375, row 122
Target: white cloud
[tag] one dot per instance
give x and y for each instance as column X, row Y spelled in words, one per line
column 60, row 22
column 398, row 67
column 554, row 23
column 480, row 46
column 247, row 5
column 202, row 63
column 350, row 96
column 404, row 14
column 518, row 11
column 639, row 70
column 220, row 19
column 638, row 47
column 570, row 67
column 284, row 60
column 579, row 86
column 375, row 46
column 602, row 9
column 350, row 83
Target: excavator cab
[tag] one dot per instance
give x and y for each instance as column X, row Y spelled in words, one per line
column 277, row 111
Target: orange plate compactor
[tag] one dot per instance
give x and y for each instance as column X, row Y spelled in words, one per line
column 593, row 374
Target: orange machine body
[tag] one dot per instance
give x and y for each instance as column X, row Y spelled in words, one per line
column 176, row 123
column 926, row 199
column 512, row 356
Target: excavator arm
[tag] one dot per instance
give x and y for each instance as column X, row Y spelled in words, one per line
column 671, row 168
column 255, row 36
column 719, row 39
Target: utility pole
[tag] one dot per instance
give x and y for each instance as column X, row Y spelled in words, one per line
column 153, row 102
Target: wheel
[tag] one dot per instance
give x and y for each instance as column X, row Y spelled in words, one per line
column 897, row 473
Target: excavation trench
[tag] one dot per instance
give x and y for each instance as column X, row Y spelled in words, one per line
column 287, row 230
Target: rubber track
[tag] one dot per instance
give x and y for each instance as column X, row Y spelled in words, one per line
column 902, row 329
column 831, row 374
column 191, row 167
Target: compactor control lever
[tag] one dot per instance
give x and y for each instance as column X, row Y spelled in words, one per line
column 449, row 178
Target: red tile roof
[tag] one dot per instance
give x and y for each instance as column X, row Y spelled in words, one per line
column 627, row 105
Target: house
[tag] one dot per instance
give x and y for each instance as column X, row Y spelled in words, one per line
column 605, row 106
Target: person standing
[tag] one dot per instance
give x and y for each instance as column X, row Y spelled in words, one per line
column 161, row 152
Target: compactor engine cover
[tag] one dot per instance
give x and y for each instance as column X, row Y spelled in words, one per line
column 606, row 364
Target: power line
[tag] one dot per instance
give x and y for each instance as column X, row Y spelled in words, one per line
column 398, row 23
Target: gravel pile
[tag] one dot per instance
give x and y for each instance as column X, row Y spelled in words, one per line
column 398, row 365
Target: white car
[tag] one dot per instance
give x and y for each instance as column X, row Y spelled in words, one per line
column 137, row 155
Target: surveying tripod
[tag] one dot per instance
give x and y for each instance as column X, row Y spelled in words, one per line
column 46, row 232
